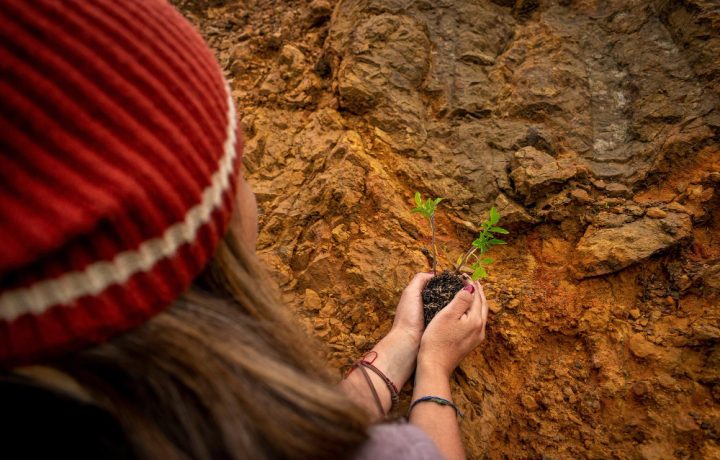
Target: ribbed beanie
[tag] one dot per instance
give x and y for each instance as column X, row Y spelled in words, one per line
column 117, row 168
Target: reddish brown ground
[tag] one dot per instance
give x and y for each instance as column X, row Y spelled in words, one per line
column 624, row 365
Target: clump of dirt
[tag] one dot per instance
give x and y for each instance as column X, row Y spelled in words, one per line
column 439, row 291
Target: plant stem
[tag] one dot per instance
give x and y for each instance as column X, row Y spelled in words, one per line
column 464, row 259
column 434, row 248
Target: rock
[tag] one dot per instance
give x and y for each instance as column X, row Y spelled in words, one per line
column 685, row 424
column 536, row 173
column 312, row 301
column 529, row 403
column 640, row 389
column 642, row 348
column 513, row 215
column 606, row 250
column 616, row 189
column 656, row 213
column 319, row 12
column 711, row 276
column 382, row 70
column 635, row 313
column 581, row 196
column 340, row 234
column 292, row 61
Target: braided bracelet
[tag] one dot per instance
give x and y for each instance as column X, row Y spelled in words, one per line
column 436, row 400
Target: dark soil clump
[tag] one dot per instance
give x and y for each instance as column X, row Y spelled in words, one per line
column 439, row 291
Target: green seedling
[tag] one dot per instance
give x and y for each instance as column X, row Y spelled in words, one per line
column 427, row 210
column 482, row 244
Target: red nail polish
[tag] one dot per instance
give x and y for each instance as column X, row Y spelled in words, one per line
column 469, row 288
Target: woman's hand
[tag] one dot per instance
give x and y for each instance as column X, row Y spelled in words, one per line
column 455, row 331
column 409, row 314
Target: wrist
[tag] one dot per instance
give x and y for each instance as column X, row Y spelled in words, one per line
column 408, row 335
column 427, row 367
column 397, row 356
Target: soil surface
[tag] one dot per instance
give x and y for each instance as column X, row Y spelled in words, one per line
column 592, row 125
column 439, row 291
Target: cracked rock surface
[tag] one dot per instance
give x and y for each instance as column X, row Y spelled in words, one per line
column 593, row 126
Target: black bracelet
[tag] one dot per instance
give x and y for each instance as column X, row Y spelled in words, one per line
column 436, row 400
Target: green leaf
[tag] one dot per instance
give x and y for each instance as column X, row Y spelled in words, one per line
column 459, row 260
column 499, row 230
column 480, row 243
column 479, row 273
column 496, row 241
column 437, row 200
column 417, row 210
column 494, row 216
column 487, row 260
column 418, row 199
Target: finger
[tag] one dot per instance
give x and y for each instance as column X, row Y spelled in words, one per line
column 485, row 307
column 476, row 307
column 461, row 303
column 418, row 282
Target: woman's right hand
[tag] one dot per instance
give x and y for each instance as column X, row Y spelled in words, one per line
column 455, row 331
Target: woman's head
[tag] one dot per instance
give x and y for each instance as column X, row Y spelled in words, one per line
column 118, row 169
column 129, row 286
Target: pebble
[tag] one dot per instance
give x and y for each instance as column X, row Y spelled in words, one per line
column 615, row 189
column 656, row 213
column 529, row 403
column 640, row 389
column 581, row 195
column 312, row 301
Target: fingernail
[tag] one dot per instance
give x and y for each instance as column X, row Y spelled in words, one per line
column 469, row 288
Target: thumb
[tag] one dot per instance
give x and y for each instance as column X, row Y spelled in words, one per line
column 461, row 303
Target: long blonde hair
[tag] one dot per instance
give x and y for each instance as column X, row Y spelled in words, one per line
column 222, row 373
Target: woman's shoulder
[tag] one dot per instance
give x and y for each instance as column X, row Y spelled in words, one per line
column 398, row 441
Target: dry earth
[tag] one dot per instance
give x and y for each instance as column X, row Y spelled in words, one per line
column 593, row 125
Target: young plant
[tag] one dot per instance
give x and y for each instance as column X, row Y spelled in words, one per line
column 441, row 289
column 485, row 240
column 427, row 210
column 481, row 245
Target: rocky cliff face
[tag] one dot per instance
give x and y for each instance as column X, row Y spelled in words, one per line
column 593, row 125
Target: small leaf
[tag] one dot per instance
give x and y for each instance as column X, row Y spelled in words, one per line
column 437, row 200
column 417, row 210
column 499, row 230
column 487, row 260
column 496, row 241
column 479, row 273
column 494, row 216
column 459, row 260
column 480, row 243
column 418, row 199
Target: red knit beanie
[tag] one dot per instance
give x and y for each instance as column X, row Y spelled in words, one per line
column 117, row 168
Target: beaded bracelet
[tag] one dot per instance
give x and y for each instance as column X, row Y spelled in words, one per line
column 436, row 400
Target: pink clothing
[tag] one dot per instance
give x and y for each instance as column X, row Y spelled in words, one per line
column 398, row 442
